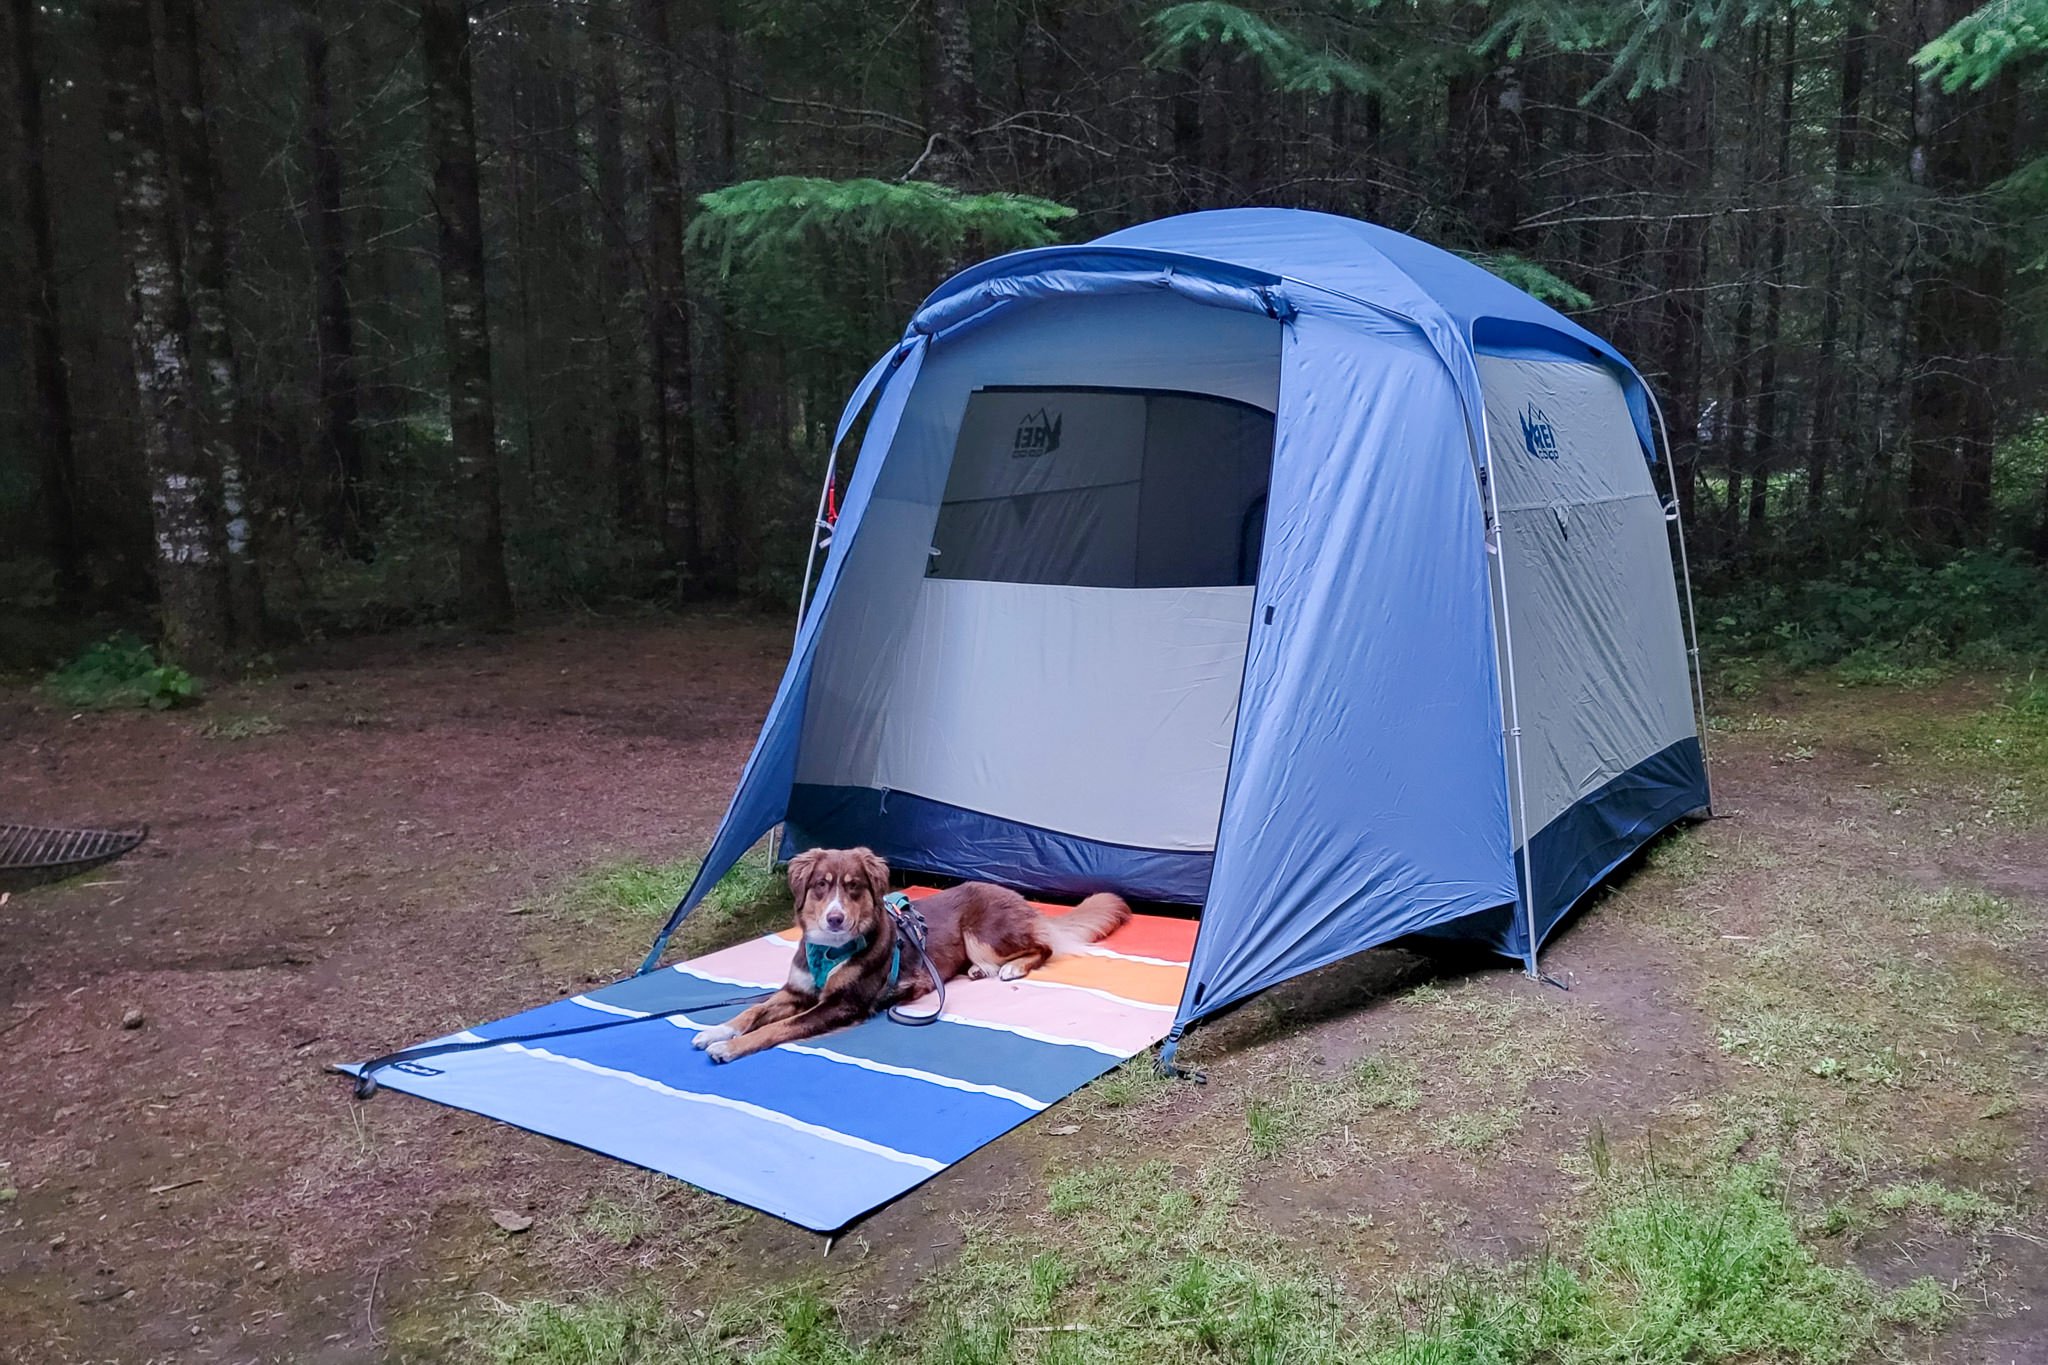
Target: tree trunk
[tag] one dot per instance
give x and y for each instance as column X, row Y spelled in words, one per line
column 948, row 60
column 1962, row 144
column 1739, row 432
column 184, row 490
column 1774, row 296
column 615, row 283
column 217, row 369
column 1489, row 153
column 674, row 424
column 483, row 594
column 1184, row 108
column 720, row 166
column 50, row 393
column 1825, row 443
column 339, row 438
column 1685, row 157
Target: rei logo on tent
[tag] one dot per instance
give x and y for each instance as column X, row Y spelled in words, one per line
column 1539, row 438
column 1037, row 434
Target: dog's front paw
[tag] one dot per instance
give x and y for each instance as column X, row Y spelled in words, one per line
column 976, row 972
column 717, row 1034
column 1011, row 971
column 724, row 1050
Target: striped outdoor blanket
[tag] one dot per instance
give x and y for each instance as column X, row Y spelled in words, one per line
column 823, row 1131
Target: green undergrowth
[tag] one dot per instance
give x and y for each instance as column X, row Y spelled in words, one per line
column 118, row 672
column 1885, row 616
column 1151, row 1262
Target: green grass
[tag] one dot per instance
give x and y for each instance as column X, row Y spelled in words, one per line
column 255, row 725
column 2005, row 747
column 619, row 1221
column 631, row 887
column 636, row 889
column 1475, row 1130
column 594, row 1331
column 1862, row 983
column 635, row 1328
column 1957, row 1210
column 1134, row 1085
column 1149, row 1263
column 1375, row 1083
column 1672, row 1272
column 1266, row 1124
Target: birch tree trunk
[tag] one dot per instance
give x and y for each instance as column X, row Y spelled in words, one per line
column 483, row 594
column 216, row 370
column 185, row 503
column 50, row 390
column 948, row 59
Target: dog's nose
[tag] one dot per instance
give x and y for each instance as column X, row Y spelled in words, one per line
column 835, row 919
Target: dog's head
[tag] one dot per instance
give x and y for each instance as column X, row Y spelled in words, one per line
column 838, row 894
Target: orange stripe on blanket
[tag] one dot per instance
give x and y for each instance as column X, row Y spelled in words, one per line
column 1145, row 982
column 1160, row 936
column 1130, row 980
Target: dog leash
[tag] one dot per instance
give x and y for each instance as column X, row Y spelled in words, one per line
column 910, row 925
column 366, row 1078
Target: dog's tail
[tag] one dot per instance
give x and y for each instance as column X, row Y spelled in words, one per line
column 1095, row 918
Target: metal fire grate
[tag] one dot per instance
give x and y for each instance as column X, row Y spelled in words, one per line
column 37, row 848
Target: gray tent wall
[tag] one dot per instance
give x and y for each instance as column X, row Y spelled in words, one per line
column 1591, row 641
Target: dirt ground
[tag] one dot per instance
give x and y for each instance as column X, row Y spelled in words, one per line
column 348, row 856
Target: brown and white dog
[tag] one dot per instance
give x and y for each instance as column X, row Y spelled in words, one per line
column 842, row 970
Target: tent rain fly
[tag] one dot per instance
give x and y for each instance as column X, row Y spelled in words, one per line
column 1258, row 559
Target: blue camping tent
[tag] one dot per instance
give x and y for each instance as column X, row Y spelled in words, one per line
column 1258, row 559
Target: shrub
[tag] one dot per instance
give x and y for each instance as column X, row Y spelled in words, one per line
column 121, row 671
column 1886, row 617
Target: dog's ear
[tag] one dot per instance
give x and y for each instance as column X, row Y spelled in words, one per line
column 875, row 870
column 800, row 869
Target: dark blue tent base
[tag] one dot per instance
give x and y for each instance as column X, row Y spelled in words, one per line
column 919, row 835
column 1581, row 848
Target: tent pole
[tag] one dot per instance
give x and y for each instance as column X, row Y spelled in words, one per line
column 1692, row 632
column 818, row 523
column 803, row 601
column 1506, row 673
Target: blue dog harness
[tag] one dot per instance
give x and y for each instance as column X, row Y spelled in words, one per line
column 821, row 961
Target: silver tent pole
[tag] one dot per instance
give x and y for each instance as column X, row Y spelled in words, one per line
column 1673, row 514
column 803, row 601
column 1506, row 674
column 818, row 524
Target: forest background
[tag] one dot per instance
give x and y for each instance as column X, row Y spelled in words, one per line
column 338, row 317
